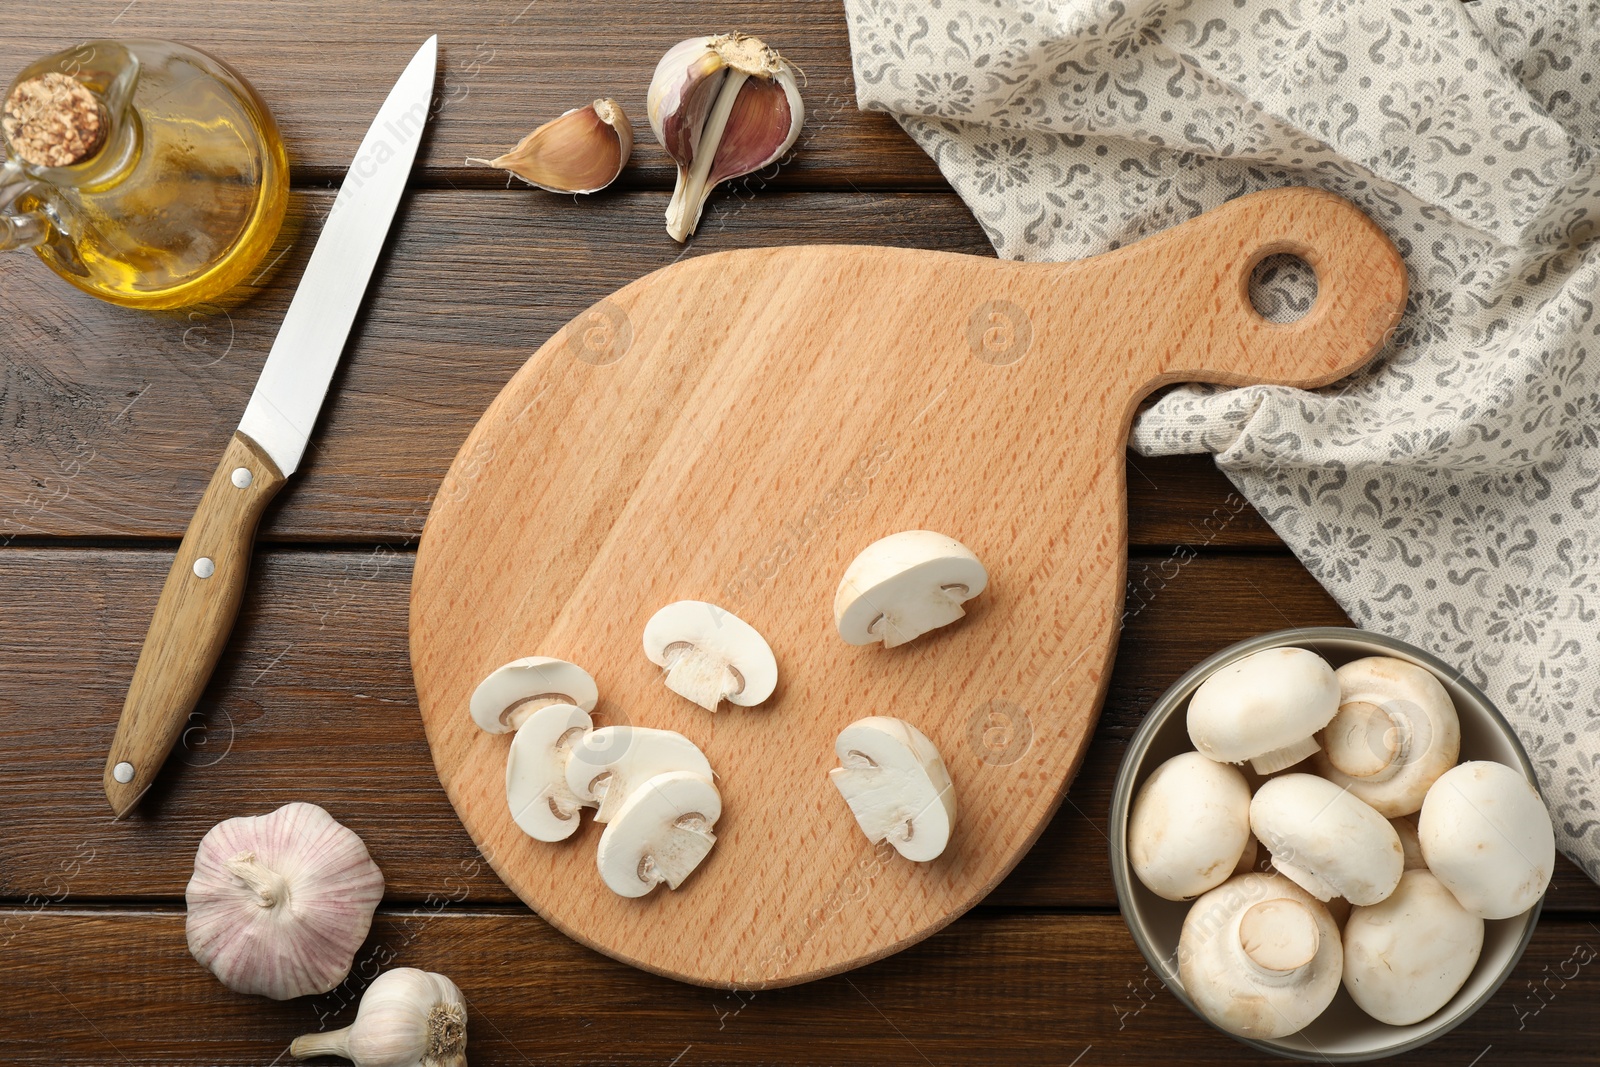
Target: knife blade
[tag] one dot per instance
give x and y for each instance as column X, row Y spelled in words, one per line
column 205, row 585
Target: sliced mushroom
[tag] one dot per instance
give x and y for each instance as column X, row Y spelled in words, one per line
column 1405, row 828
column 607, row 764
column 1487, row 836
column 660, row 833
column 1265, row 708
column 1405, row 957
column 1325, row 840
column 1395, row 733
column 1189, row 827
column 504, row 700
column 536, row 772
column 1259, row 957
column 904, row 585
column 896, row 785
column 710, row 655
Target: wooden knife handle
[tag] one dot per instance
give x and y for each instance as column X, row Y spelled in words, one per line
column 192, row 619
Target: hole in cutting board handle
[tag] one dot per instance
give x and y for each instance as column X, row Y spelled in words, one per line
column 1282, row 287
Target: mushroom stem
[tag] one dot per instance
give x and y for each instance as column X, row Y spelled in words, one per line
column 1278, row 936
column 329, row 1043
column 1366, row 741
column 704, row 679
column 1280, row 759
column 270, row 887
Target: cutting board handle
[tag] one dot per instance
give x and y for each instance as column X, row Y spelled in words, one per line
column 1197, row 289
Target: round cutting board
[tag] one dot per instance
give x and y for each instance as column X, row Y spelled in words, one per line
column 735, row 429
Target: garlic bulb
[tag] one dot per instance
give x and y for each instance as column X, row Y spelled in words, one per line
column 407, row 1018
column 722, row 107
column 279, row 903
column 580, row 151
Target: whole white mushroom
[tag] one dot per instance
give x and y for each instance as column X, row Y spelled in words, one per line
column 1189, row 827
column 1259, row 956
column 1395, row 733
column 1405, row 957
column 1265, row 708
column 1326, row 840
column 1486, row 834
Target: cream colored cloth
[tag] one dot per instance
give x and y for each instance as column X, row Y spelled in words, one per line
column 1448, row 496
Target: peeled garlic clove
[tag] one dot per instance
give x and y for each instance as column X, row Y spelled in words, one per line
column 722, row 107
column 280, row 902
column 407, row 1018
column 581, row 151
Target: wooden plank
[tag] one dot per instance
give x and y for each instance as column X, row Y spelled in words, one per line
column 506, row 66
column 98, row 987
column 114, row 417
column 313, row 701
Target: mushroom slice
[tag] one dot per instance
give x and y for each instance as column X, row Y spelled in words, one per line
column 1259, row 956
column 1404, row 958
column 1487, row 836
column 904, row 585
column 1265, row 708
column 608, row 763
column 1190, row 827
column 660, row 833
column 536, row 772
column 1395, row 733
column 504, row 700
column 896, row 785
column 710, row 655
column 1325, row 840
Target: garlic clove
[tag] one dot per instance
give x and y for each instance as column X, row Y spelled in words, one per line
column 279, row 903
column 407, row 1018
column 722, row 107
column 580, row 151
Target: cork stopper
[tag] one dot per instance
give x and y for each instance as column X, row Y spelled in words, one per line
column 53, row 121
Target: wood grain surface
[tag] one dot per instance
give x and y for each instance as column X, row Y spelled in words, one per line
column 113, row 419
column 192, row 621
column 735, row 429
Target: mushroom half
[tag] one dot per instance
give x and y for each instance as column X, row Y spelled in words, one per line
column 904, row 585
column 1325, row 840
column 1395, row 733
column 897, row 786
column 1487, row 836
column 660, row 833
column 1405, row 957
column 1190, row 826
column 1259, row 956
column 503, row 701
column 536, row 772
column 710, row 655
column 607, row 764
column 1265, row 708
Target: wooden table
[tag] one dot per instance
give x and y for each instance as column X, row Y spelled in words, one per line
column 113, row 420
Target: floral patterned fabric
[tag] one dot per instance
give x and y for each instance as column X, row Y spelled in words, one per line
column 1450, row 494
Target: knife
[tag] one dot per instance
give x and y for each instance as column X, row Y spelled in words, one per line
column 200, row 599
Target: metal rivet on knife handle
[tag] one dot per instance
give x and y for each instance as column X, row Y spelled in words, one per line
column 241, row 477
column 204, row 568
column 123, row 772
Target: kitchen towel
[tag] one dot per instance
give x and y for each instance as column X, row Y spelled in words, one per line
column 1449, row 495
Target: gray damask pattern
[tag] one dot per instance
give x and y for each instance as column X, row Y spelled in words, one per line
column 1449, row 495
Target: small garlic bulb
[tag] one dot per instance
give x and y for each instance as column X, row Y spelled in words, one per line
column 722, row 107
column 407, row 1018
column 280, row 902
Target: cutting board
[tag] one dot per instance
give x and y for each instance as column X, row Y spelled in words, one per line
column 736, row 428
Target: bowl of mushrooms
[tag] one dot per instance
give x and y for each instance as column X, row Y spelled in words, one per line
column 1329, row 845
